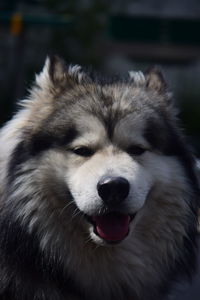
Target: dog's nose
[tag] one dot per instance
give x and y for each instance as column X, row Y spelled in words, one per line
column 113, row 190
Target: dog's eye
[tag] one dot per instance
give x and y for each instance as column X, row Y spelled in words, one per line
column 136, row 150
column 83, row 151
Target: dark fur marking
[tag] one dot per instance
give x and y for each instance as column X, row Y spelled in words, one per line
column 46, row 140
column 165, row 138
column 26, row 273
column 106, row 114
column 19, row 156
column 186, row 262
column 158, row 135
column 38, row 143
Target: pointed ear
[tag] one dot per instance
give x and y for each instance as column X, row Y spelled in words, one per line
column 155, row 80
column 56, row 75
column 57, row 70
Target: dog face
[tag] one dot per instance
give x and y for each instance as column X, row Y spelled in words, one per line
column 88, row 163
column 107, row 183
column 98, row 152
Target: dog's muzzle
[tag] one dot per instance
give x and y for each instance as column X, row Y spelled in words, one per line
column 114, row 225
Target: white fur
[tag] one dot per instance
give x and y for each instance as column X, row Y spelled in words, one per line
column 138, row 77
column 159, row 193
column 10, row 136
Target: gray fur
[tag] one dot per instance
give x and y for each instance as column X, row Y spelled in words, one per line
column 46, row 189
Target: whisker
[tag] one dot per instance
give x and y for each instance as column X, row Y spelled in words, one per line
column 65, row 207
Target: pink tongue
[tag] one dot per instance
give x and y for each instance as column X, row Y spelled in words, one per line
column 112, row 227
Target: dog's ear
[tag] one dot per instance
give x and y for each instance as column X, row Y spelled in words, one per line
column 152, row 79
column 56, row 75
column 57, row 70
column 155, row 80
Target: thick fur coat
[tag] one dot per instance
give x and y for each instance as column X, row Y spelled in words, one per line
column 57, row 210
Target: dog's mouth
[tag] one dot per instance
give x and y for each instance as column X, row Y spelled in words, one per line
column 111, row 227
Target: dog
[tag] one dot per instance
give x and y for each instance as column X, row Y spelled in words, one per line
column 98, row 188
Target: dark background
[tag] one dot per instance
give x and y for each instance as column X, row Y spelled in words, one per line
column 112, row 36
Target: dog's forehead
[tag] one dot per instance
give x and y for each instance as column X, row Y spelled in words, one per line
column 91, row 129
column 130, row 129
column 98, row 114
column 114, row 112
column 111, row 101
column 96, row 130
column 123, row 98
column 118, row 97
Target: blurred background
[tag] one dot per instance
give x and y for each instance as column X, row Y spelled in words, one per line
column 112, row 37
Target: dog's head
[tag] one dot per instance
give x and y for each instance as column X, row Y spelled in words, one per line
column 101, row 152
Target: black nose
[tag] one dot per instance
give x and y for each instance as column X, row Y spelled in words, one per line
column 113, row 190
